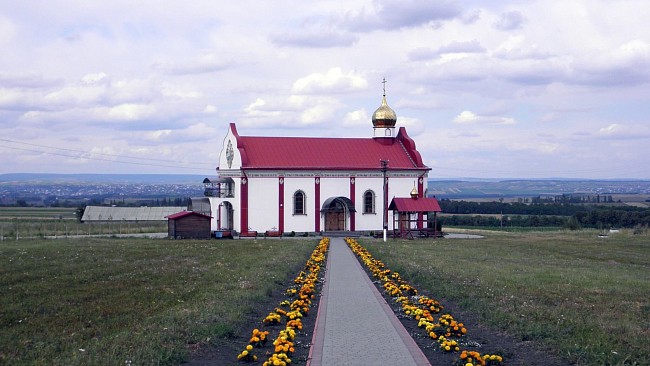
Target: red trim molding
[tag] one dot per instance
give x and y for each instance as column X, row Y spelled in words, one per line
column 281, row 204
column 243, row 220
column 353, row 199
column 420, row 223
column 317, row 204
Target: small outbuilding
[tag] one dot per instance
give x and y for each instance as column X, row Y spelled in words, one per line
column 411, row 214
column 188, row 225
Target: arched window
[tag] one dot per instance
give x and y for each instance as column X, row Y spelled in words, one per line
column 369, row 202
column 299, row 203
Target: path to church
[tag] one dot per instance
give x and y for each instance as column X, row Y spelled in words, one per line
column 355, row 326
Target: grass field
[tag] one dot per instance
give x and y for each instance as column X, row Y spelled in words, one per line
column 46, row 213
column 21, row 229
column 133, row 301
column 17, row 223
column 144, row 301
column 585, row 298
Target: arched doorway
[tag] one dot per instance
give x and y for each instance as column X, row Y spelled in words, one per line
column 336, row 212
column 225, row 218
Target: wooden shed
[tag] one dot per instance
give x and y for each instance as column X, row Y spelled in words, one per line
column 188, row 225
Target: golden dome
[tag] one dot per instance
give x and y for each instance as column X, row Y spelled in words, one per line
column 384, row 116
column 414, row 192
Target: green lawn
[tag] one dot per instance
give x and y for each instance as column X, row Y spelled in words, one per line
column 586, row 298
column 134, row 301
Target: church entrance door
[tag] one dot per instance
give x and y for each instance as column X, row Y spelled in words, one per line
column 336, row 211
column 335, row 221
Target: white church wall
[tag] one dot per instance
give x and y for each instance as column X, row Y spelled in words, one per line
column 299, row 223
column 368, row 221
column 263, row 204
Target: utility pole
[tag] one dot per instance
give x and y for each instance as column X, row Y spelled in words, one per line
column 384, row 169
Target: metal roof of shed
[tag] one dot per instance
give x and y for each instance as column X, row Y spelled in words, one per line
column 424, row 204
column 182, row 214
column 105, row 213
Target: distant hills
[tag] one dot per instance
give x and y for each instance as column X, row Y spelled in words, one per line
column 442, row 188
column 496, row 188
column 51, row 178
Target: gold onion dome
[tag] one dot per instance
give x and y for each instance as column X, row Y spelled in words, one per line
column 414, row 192
column 384, row 116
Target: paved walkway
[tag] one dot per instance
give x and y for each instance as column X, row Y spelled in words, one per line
column 355, row 326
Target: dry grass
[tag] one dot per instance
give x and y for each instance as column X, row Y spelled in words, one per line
column 133, row 301
column 585, row 297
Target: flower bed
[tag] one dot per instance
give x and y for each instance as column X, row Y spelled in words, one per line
column 445, row 330
column 289, row 312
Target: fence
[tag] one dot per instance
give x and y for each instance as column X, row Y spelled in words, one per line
column 16, row 229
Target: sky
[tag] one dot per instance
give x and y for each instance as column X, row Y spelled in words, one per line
column 498, row 89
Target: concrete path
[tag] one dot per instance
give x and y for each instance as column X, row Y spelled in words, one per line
column 355, row 326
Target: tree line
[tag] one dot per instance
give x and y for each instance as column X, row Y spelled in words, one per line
column 558, row 214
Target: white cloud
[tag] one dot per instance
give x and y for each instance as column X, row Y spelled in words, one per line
column 130, row 112
column 414, row 126
column 356, row 118
column 27, row 81
column 471, row 16
column 468, row 117
column 201, row 64
column 510, row 20
column 7, row 30
column 395, row 14
column 611, row 129
column 316, row 114
column 193, row 133
column 474, row 78
column 158, row 135
column 617, row 131
column 95, row 78
column 463, row 47
column 334, row 81
column 627, row 64
column 315, row 38
column 77, row 95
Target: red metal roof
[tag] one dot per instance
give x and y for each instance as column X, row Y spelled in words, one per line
column 428, row 204
column 328, row 153
column 178, row 215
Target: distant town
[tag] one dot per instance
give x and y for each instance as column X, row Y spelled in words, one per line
column 80, row 190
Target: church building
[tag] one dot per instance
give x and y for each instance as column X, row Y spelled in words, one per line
column 308, row 184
